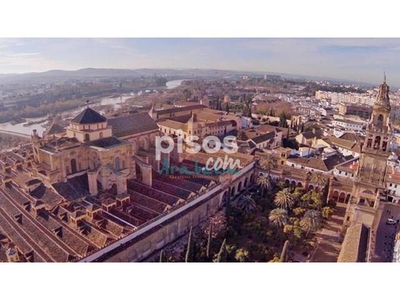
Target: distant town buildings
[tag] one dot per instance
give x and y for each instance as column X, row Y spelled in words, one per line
column 363, row 111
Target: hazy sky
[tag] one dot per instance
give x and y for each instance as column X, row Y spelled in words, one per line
column 354, row 59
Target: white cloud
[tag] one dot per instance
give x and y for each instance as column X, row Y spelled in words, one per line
column 23, row 54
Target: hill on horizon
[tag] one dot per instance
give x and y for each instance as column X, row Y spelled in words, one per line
column 64, row 75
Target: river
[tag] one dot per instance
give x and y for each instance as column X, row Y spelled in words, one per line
column 116, row 102
column 174, row 83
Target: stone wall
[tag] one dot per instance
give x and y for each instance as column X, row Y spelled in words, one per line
column 168, row 231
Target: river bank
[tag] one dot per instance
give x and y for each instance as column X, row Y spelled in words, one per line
column 100, row 103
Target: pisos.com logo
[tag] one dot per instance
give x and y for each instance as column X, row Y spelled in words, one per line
column 210, row 144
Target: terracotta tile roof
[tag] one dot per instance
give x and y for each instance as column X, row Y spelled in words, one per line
column 320, row 164
column 173, row 124
column 60, row 142
column 351, row 166
column 150, row 203
column 13, row 235
column 312, row 134
column 180, row 193
column 153, row 193
column 269, row 128
column 349, row 136
column 89, row 116
column 180, row 119
column 343, row 143
column 180, row 183
column 185, row 103
column 355, row 244
column 342, row 183
column 132, row 124
column 55, row 129
column 179, row 109
column 49, row 198
column 107, row 142
column 45, row 240
column 392, row 177
column 264, row 137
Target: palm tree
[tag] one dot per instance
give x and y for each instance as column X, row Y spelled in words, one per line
column 325, row 192
column 278, row 217
column 284, row 199
column 318, row 179
column 264, row 183
column 316, row 200
column 298, row 193
column 246, row 203
column 312, row 221
column 268, row 164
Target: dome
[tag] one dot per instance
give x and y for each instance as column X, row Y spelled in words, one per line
column 89, row 116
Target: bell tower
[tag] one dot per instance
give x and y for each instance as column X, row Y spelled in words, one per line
column 369, row 184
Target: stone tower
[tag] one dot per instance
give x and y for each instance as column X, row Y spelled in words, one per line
column 192, row 125
column 369, row 184
column 36, row 144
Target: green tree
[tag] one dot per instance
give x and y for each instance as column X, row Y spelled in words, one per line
column 264, row 183
column 316, row 200
column 276, row 259
column 242, row 255
column 282, row 120
column 325, row 192
column 318, row 179
column 311, row 221
column 305, row 200
column 242, row 135
column 268, row 164
column 298, row 211
column 281, row 185
column 298, row 193
column 326, row 212
column 246, row 203
column 283, row 199
column 278, row 217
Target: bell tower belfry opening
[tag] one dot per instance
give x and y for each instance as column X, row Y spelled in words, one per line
column 369, row 184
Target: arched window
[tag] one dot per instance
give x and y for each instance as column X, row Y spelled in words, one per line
column 380, row 120
column 73, row 166
column 117, row 163
column 384, row 146
column 87, row 137
column 377, row 142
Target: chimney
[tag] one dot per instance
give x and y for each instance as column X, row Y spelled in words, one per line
column 12, row 255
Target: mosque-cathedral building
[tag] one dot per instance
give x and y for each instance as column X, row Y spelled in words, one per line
column 92, row 191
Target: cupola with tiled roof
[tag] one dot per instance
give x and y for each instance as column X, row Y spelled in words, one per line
column 89, row 116
column 89, row 125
